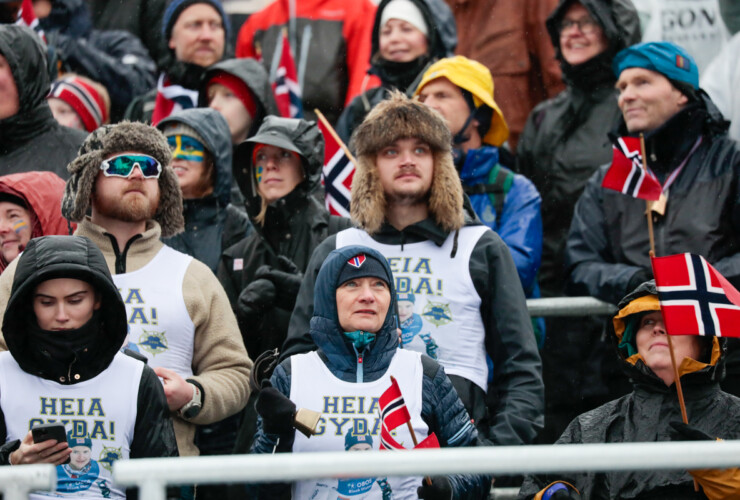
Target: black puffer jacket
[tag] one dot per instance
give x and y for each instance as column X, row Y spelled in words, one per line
column 115, row 58
column 293, row 226
column 644, row 416
column 212, row 223
column 441, row 409
column 32, row 139
column 442, row 41
column 76, row 257
column 565, row 138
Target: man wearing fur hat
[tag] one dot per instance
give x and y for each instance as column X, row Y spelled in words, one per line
column 196, row 33
column 698, row 166
column 408, row 204
column 179, row 317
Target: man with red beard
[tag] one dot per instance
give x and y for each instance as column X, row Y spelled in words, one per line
column 178, row 314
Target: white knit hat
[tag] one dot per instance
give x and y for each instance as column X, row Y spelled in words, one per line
column 405, row 10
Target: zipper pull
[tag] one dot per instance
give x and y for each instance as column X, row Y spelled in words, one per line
column 359, row 359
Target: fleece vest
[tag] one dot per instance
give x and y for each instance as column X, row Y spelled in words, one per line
column 350, row 421
column 100, row 411
column 159, row 325
column 439, row 308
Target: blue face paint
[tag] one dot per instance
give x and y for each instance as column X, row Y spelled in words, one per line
column 258, row 173
column 185, row 147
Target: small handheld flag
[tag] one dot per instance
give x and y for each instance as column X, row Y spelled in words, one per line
column 285, row 81
column 695, row 298
column 338, row 171
column 27, row 17
column 626, row 174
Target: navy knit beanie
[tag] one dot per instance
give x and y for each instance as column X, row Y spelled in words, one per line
column 175, row 8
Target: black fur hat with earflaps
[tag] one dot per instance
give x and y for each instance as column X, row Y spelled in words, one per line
column 109, row 140
column 400, row 118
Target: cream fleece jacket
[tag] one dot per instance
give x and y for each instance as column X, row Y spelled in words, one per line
column 220, row 361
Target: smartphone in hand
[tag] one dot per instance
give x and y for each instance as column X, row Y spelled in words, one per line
column 45, row 432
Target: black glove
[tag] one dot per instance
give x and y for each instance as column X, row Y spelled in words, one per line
column 638, row 279
column 685, row 432
column 287, row 280
column 440, row 489
column 254, row 299
column 277, row 411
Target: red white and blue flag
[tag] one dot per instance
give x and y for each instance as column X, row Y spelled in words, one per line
column 27, row 17
column 696, row 299
column 285, row 84
column 393, row 413
column 626, row 174
column 337, row 175
column 357, row 260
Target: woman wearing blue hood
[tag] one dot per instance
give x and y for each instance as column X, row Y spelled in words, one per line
column 354, row 327
column 201, row 157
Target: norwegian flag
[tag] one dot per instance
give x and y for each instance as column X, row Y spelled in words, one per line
column 430, row 441
column 337, row 175
column 626, row 174
column 695, row 298
column 285, row 85
column 26, row 17
column 393, row 412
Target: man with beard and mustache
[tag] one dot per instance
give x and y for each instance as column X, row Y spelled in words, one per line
column 408, row 203
column 179, row 317
column 196, row 33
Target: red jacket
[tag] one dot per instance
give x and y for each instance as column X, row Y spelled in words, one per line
column 42, row 192
column 338, row 33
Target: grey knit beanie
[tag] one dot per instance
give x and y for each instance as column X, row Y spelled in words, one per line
column 112, row 139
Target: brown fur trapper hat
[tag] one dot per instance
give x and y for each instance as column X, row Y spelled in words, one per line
column 112, row 139
column 399, row 118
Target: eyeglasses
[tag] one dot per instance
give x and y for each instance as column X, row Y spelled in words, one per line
column 586, row 25
column 123, row 165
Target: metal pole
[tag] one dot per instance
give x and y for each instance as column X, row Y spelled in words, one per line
column 501, row 460
column 570, row 306
column 152, row 489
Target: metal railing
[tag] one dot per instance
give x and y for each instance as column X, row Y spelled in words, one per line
column 152, row 475
column 17, row 481
column 570, row 306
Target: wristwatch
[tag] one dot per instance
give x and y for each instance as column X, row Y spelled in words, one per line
column 192, row 407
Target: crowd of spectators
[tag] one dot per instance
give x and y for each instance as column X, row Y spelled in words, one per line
column 162, row 226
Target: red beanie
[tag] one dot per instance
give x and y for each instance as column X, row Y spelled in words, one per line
column 83, row 98
column 240, row 90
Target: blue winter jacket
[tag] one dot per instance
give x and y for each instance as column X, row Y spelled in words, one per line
column 442, row 409
column 520, row 224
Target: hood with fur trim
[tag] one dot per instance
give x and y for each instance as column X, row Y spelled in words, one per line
column 111, row 139
column 399, row 118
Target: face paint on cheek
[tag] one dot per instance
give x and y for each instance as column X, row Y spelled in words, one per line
column 19, row 226
column 258, row 173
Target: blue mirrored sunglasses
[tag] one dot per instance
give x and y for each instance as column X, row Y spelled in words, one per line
column 123, row 165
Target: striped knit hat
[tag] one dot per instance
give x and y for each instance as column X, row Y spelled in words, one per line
column 84, row 98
